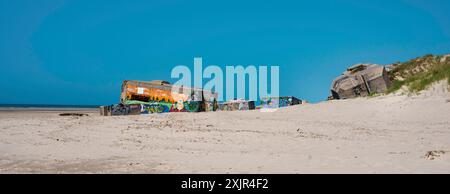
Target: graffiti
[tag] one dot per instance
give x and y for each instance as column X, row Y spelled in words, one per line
column 157, row 97
column 237, row 105
column 119, row 109
column 277, row 102
column 139, row 97
column 269, row 103
column 161, row 92
column 193, row 106
column 188, row 106
column 210, row 106
column 164, row 107
column 151, row 94
column 125, row 110
column 283, row 102
column 133, row 107
column 155, row 107
column 178, row 107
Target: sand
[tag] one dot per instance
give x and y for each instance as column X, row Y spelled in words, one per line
column 387, row 134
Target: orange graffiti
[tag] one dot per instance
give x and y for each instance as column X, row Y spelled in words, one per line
column 153, row 94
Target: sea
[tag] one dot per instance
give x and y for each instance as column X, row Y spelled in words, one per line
column 14, row 107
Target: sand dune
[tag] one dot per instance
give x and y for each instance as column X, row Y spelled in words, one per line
column 387, row 134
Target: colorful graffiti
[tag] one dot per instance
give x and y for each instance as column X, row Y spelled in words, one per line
column 151, row 91
column 210, row 106
column 188, row 106
column 157, row 95
column 155, row 107
column 159, row 98
column 120, row 109
column 237, row 105
column 193, row 106
column 139, row 97
column 164, row 107
column 276, row 102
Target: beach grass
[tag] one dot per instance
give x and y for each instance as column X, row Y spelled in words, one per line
column 417, row 82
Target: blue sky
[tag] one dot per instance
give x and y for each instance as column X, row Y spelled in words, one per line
column 78, row 52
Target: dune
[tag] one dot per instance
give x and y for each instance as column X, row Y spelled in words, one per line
column 394, row 133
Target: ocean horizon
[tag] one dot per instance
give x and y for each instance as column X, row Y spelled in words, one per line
column 12, row 106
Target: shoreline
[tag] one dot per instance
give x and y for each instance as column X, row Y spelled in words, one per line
column 44, row 109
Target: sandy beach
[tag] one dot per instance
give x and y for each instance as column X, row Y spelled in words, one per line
column 387, row 134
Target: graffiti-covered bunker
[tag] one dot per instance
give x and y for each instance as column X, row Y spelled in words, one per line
column 146, row 97
column 142, row 97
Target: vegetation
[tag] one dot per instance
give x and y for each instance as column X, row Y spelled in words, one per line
column 396, row 85
column 373, row 94
column 419, row 73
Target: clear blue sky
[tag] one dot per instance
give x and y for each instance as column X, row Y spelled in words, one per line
column 78, row 52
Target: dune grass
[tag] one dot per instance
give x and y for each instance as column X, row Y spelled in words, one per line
column 421, row 81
